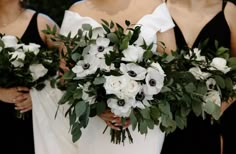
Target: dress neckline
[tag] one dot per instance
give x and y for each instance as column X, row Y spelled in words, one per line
column 200, row 32
column 90, row 18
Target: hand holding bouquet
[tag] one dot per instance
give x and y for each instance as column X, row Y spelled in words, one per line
column 25, row 65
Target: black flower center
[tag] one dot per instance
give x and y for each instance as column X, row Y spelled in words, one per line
column 121, row 103
column 101, row 48
column 132, row 73
column 152, row 82
column 86, row 66
column 140, row 96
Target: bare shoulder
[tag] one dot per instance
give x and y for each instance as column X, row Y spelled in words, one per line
column 230, row 13
column 44, row 19
column 78, row 6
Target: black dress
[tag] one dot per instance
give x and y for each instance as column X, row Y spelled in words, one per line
column 200, row 136
column 16, row 135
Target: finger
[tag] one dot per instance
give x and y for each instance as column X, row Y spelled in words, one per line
column 26, row 110
column 22, row 89
column 23, row 107
column 125, row 125
column 24, row 104
column 21, row 98
column 112, row 126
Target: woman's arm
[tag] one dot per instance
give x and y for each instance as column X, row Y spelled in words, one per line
column 230, row 14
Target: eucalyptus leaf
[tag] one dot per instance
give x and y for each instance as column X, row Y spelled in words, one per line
column 69, row 75
column 133, row 120
column 80, row 108
column 220, row 81
column 99, row 80
column 143, row 127
column 86, row 27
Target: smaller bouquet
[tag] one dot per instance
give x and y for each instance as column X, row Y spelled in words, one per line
column 216, row 73
column 25, row 64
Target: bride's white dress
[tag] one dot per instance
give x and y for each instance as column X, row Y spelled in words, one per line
column 52, row 134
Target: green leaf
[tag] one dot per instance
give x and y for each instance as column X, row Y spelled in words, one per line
column 68, row 75
column 190, row 88
column 99, row 80
column 133, row 120
column 143, row 127
column 164, row 107
column 216, row 113
column 80, row 108
column 222, row 50
column 113, row 37
column 76, row 56
column 66, row 96
column 197, row 106
column 77, row 94
column 145, row 113
column 147, row 54
column 181, row 122
column 155, row 113
column 127, row 23
column 229, row 84
column 2, row 43
column 87, row 27
column 76, row 132
column 209, row 107
column 232, row 61
column 125, row 43
column 100, row 107
column 167, row 121
column 105, row 22
column 150, row 124
column 220, row 81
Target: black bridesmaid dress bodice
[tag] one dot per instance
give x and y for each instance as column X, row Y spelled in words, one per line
column 16, row 135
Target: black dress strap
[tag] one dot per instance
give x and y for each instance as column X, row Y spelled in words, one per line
column 32, row 33
column 223, row 5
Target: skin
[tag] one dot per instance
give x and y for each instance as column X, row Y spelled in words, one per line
column 17, row 20
column 202, row 11
column 116, row 11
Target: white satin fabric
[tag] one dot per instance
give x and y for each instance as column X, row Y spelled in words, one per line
column 52, row 135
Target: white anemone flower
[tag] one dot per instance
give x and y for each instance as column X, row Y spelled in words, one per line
column 133, row 54
column 213, row 96
column 10, row 41
column 37, row 71
column 142, row 100
column 211, row 83
column 234, row 87
column 220, row 64
column 104, row 67
column 86, row 67
column 121, row 108
column 32, row 47
column 100, row 48
column 98, row 32
column 198, row 74
column 197, row 53
column 19, row 57
column 158, row 67
column 154, row 82
column 133, row 71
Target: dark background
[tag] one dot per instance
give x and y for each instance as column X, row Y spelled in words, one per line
column 55, row 8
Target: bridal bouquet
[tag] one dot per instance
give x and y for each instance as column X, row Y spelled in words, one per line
column 25, row 64
column 112, row 68
column 216, row 73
